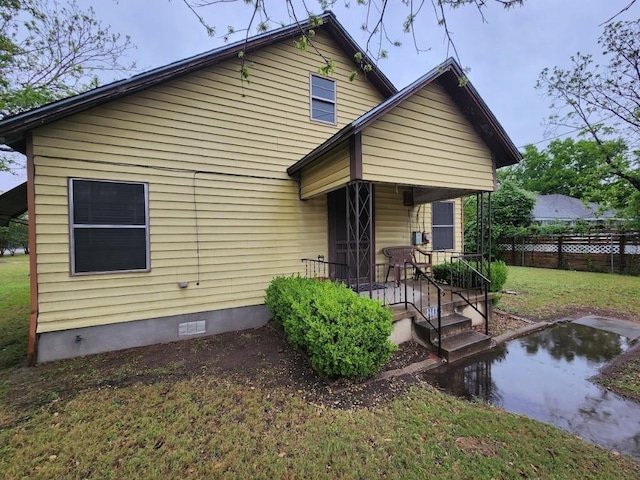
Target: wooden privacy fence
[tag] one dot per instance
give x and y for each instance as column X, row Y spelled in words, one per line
column 597, row 252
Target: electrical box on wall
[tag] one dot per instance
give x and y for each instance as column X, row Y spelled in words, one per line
column 416, row 238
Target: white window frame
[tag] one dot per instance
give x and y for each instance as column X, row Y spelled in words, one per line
column 73, row 226
column 451, row 226
column 333, row 102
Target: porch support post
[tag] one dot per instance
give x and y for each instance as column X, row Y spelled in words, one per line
column 490, row 239
column 360, row 233
column 478, row 229
column 481, row 243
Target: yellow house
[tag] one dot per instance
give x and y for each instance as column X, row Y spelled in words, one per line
column 161, row 206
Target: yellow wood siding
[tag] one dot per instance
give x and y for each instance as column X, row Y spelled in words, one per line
column 234, row 143
column 326, row 175
column 395, row 222
column 426, row 140
column 392, row 224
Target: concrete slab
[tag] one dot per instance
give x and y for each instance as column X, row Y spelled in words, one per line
column 628, row 329
column 510, row 335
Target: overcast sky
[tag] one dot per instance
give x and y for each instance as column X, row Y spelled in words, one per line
column 505, row 54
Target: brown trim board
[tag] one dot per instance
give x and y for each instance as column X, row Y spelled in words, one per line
column 355, row 157
column 33, row 264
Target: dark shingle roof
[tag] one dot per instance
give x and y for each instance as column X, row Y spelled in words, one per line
column 565, row 208
column 13, row 130
column 448, row 74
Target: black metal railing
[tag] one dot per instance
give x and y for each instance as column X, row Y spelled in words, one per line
column 423, row 290
column 468, row 282
column 321, row 269
column 391, row 285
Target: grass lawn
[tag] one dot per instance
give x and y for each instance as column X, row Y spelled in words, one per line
column 123, row 416
column 546, row 293
column 14, row 302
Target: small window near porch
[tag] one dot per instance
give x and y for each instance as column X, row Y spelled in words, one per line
column 443, row 225
column 323, row 99
column 109, row 226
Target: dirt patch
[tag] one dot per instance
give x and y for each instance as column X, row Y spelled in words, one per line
column 408, row 353
column 502, row 322
column 476, row 446
column 258, row 358
column 622, row 375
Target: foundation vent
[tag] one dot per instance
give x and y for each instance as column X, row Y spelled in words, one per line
column 191, row 328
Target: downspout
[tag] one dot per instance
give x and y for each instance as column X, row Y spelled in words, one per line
column 32, row 345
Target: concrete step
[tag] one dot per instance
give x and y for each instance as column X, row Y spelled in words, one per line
column 461, row 345
column 401, row 313
column 450, row 325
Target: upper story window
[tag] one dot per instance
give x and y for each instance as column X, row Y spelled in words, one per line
column 109, row 226
column 442, row 225
column 323, row 99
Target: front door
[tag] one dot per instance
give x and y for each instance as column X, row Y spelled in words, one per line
column 351, row 233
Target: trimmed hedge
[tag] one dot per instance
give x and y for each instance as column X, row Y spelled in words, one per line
column 453, row 274
column 344, row 334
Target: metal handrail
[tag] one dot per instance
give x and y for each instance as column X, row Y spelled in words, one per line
column 324, row 267
column 440, row 291
column 484, row 289
column 472, row 268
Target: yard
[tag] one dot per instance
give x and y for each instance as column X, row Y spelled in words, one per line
column 243, row 405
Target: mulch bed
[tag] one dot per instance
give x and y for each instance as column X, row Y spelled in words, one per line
column 258, row 358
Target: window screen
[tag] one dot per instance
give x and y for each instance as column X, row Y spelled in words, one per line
column 442, row 225
column 109, row 226
column 323, row 99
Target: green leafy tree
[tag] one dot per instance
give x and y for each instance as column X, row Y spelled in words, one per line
column 511, row 214
column 602, row 101
column 573, row 168
column 14, row 236
column 50, row 50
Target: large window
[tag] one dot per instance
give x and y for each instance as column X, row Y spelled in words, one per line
column 323, row 99
column 442, row 225
column 109, row 226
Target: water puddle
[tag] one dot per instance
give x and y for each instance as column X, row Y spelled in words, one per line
column 545, row 376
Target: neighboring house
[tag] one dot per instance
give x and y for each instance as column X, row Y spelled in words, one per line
column 564, row 209
column 162, row 205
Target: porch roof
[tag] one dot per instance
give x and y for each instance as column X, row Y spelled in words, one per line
column 448, row 75
column 13, row 203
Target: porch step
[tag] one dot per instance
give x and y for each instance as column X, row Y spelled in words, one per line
column 459, row 340
column 450, row 324
column 463, row 345
column 400, row 313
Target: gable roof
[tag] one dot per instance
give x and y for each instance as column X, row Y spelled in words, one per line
column 13, row 203
column 448, row 75
column 563, row 207
column 13, row 129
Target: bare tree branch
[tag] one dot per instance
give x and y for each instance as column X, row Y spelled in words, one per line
column 619, row 13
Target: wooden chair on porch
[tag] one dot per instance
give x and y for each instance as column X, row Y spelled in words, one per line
column 400, row 255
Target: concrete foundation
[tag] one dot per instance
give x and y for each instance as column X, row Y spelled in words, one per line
column 476, row 318
column 104, row 338
column 401, row 331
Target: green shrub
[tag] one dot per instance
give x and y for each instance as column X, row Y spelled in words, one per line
column 457, row 274
column 342, row 333
column 499, row 274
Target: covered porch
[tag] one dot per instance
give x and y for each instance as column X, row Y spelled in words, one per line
column 396, row 176
column 380, row 244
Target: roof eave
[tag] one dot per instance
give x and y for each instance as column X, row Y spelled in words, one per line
column 13, row 129
column 506, row 154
